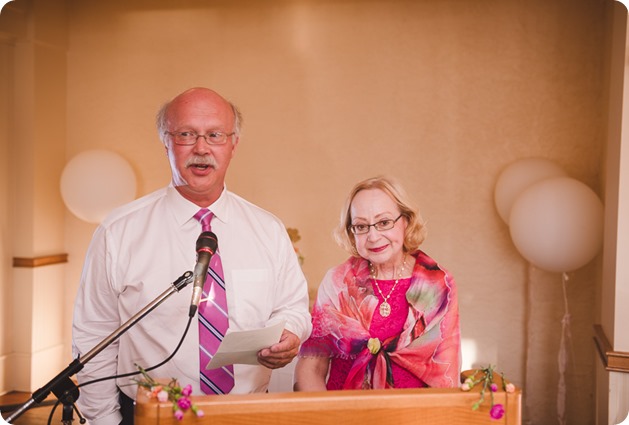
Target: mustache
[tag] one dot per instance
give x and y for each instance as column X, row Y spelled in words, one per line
column 201, row 160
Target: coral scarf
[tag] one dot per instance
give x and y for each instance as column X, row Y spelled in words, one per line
column 428, row 346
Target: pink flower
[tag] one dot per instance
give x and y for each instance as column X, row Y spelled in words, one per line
column 184, row 403
column 497, row 411
column 171, row 392
column 493, row 388
column 187, row 390
column 510, row 388
column 200, row 413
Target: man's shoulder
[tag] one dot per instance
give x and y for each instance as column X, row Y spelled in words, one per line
column 248, row 207
column 134, row 207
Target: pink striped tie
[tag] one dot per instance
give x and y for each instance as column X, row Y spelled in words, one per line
column 213, row 320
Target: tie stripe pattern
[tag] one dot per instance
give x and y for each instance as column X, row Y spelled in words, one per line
column 213, row 320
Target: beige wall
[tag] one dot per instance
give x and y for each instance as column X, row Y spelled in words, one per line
column 34, row 76
column 441, row 94
column 5, row 243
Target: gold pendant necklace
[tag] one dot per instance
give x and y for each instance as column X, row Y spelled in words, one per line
column 385, row 307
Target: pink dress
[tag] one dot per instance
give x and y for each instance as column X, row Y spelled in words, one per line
column 382, row 328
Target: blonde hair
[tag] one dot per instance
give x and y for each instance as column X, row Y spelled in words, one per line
column 415, row 230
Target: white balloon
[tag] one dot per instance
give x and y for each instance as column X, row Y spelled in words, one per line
column 95, row 182
column 519, row 175
column 557, row 224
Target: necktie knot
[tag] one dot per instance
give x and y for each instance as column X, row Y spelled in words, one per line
column 204, row 216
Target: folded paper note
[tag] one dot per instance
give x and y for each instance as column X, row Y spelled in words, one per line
column 241, row 347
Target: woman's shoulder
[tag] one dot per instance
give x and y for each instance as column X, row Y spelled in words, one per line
column 427, row 262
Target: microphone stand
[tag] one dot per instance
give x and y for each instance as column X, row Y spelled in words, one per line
column 63, row 387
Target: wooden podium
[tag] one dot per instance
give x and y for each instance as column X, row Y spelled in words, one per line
column 432, row 406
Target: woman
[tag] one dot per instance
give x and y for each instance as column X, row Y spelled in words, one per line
column 388, row 316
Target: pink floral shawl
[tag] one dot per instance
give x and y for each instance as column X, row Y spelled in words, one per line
column 428, row 346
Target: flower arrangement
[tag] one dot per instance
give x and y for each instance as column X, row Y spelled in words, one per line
column 293, row 234
column 485, row 377
column 180, row 397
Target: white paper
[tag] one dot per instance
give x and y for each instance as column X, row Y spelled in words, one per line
column 242, row 347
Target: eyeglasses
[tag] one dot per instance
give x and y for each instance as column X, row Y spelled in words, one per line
column 188, row 138
column 386, row 224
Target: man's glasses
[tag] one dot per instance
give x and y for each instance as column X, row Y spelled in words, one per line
column 188, row 138
column 386, row 224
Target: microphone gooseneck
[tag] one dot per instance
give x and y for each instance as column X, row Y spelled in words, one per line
column 206, row 247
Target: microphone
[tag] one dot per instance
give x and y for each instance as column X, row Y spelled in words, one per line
column 206, row 247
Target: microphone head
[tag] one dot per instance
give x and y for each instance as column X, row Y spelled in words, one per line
column 207, row 242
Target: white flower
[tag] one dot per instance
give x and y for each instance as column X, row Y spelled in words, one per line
column 162, row 396
column 373, row 345
column 467, row 385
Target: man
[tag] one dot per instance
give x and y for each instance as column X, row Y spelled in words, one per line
column 142, row 247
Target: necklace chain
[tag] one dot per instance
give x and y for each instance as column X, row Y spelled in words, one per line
column 385, row 307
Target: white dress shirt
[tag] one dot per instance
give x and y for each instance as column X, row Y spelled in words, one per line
column 135, row 255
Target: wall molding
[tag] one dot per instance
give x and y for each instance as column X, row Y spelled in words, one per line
column 614, row 361
column 40, row 261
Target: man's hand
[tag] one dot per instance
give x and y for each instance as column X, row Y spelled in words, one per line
column 280, row 354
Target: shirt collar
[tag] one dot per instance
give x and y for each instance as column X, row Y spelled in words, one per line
column 219, row 207
column 184, row 210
